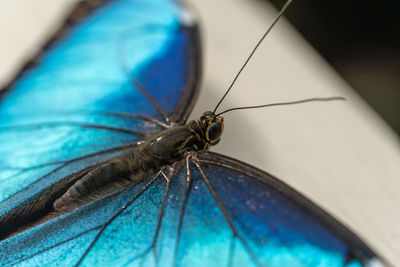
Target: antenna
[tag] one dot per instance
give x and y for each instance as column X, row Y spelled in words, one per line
column 253, row 51
column 316, row 99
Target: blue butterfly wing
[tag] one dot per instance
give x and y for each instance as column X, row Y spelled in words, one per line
column 265, row 222
column 54, row 111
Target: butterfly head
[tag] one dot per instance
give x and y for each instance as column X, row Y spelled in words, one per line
column 212, row 127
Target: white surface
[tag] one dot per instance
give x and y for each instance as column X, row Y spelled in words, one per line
column 340, row 154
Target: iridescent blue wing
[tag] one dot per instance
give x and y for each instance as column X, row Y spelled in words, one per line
column 81, row 100
column 208, row 210
column 251, row 217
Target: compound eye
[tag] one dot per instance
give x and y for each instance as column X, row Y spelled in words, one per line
column 206, row 118
column 214, row 131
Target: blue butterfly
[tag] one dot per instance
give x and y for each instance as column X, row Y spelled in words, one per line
column 98, row 165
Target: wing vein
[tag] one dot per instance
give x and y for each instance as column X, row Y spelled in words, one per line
column 152, row 101
column 113, row 149
column 58, row 244
column 34, row 126
column 225, row 214
column 188, row 185
column 112, row 218
column 157, row 230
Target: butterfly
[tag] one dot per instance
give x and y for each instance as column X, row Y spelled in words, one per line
column 112, row 92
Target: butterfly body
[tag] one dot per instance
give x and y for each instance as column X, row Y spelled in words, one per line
column 146, row 157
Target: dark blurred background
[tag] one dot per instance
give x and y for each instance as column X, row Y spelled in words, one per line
column 361, row 40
